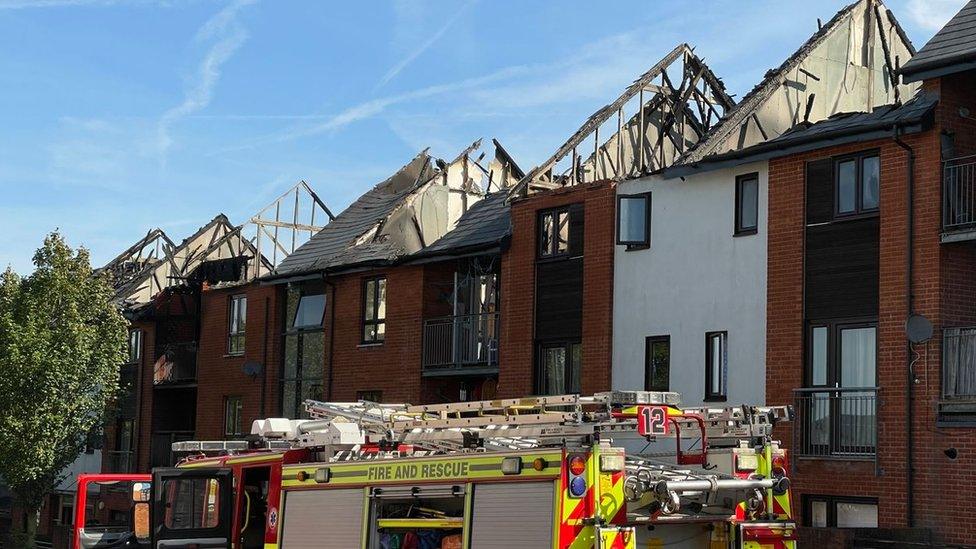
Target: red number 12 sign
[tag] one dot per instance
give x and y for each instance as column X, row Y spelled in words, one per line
column 652, row 421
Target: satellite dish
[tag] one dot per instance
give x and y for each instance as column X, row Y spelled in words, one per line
column 252, row 368
column 918, row 328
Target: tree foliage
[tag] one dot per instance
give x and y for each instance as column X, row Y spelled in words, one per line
column 61, row 343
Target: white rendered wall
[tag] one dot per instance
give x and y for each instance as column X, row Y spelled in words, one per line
column 695, row 278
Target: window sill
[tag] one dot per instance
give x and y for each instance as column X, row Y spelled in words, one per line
column 233, row 355
column 750, row 232
column 367, row 345
column 716, row 399
column 634, row 247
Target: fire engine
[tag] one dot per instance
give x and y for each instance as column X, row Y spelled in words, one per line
column 616, row 470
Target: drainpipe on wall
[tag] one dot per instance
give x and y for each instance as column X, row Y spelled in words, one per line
column 909, row 252
column 264, row 359
column 331, row 305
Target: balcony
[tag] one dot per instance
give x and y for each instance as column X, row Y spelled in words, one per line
column 176, row 365
column 836, row 423
column 118, row 462
column 959, row 199
column 461, row 345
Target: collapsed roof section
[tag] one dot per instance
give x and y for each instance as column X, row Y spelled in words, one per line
column 406, row 213
column 848, row 65
column 665, row 112
column 218, row 252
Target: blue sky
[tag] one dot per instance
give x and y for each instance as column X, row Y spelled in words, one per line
column 122, row 115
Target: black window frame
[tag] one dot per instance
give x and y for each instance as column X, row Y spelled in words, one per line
column 138, row 332
column 554, row 251
column 835, row 326
column 859, row 209
column 831, row 503
column 711, row 396
column 540, row 370
column 236, row 325
column 645, row 242
column 739, row 229
column 300, row 380
column 376, row 321
column 372, row 395
column 649, row 342
column 238, row 402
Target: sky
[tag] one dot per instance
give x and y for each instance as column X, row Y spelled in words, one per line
column 117, row 116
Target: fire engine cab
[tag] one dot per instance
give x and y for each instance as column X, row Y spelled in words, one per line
column 616, row 470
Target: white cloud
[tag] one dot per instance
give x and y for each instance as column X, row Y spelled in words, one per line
column 932, row 15
column 229, row 36
column 410, row 58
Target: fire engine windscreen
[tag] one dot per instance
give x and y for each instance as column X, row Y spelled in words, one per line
column 109, row 507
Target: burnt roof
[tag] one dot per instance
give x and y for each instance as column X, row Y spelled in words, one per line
column 336, row 244
column 483, row 227
column 914, row 116
column 952, row 49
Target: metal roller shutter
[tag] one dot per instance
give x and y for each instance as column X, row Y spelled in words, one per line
column 322, row 519
column 512, row 515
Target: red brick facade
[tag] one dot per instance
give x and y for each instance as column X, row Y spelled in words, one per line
column 518, row 288
column 943, row 291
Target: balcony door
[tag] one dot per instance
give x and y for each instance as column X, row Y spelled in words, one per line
column 842, row 360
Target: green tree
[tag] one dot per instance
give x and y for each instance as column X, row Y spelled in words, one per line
column 61, row 343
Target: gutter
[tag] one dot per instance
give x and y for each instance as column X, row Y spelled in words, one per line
column 910, row 302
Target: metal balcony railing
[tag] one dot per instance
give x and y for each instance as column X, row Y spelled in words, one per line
column 118, row 462
column 460, row 343
column 836, row 422
column 959, row 194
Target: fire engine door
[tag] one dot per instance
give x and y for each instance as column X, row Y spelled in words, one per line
column 192, row 507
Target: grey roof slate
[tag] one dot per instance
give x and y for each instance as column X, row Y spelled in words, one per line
column 915, row 115
column 335, row 245
column 484, row 225
column 952, row 46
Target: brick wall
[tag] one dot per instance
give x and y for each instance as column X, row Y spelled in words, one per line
column 220, row 375
column 516, row 349
column 413, row 293
column 943, row 289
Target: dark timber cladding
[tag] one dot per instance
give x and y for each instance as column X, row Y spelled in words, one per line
column 842, row 266
column 559, row 287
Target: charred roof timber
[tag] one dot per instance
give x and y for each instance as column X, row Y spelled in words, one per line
column 219, row 251
column 649, row 126
column 407, row 213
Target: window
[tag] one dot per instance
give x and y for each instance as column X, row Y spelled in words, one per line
column 189, row 503
column 857, row 184
column 558, row 369
column 310, row 312
column 841, row 354
column 374, row 310
column 302, row 373
column 716, row 365
column 372, row 396
column 657, row 363
column 840, row 512
column 135, row 346
column 238, row 319
column 746, row 204
column 634, row 220
column 233, row 420
column 959, row 364
column 66, row 509
column 554, row 233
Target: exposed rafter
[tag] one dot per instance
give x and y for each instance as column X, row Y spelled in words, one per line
column 643, row 130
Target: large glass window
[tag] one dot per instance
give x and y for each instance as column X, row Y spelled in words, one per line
column 559, row 368
column 634, row 220
column 657, row 363
column 374, row 310
column 554, row 232
column 959, row 364
column 840, row 512
column 189, row 503
column 746, row 204
column 236, row 324
column 716, row 365
column 303, row 370
column 857, row 184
